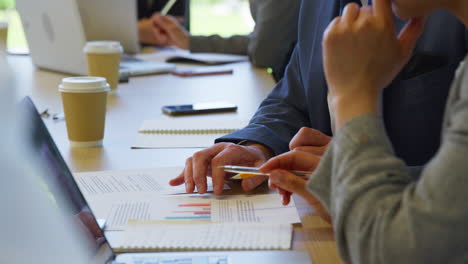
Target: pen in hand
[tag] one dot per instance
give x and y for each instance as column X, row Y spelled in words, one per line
column 167, row 7
column 247, row 172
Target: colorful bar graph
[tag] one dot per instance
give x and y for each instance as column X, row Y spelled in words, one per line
column 194, row 205
column 202, row 213
column 192, row 212
column 193, row 218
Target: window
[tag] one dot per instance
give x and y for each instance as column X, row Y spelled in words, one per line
column 16, row 38
column 223, row 17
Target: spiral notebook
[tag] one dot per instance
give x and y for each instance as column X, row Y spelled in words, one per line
column 207, row 58
column 167, row 236
column 184, row 132
column 185, row 56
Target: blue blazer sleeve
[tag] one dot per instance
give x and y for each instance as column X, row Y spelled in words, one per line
column 299, row 99
column 413, row 104
column 280, row 115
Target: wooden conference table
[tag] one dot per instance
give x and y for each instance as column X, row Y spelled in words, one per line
column 142, row 99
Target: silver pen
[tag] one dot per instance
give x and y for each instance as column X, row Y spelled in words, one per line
column 167, row 7
column 247, row 172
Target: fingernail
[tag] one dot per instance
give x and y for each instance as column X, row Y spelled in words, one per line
column 271, row 186
column 251, row 184
column 188, row 187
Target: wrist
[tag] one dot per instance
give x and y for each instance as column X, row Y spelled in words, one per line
column 185, row 41
column 348, row 107
column 266, row 151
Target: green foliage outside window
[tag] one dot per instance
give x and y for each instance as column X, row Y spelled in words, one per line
column 223, row 17
column 5, row 4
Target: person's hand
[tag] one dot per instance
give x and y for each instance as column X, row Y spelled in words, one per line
column 310, row 140
column 287, row 182
column 176, row 33
column 363, row 54
column 307, row 140
column 149, row 33
column 206, row 163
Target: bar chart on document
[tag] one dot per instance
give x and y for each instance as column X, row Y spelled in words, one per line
column 152, row 207
column 266, row 208
column 191, row 212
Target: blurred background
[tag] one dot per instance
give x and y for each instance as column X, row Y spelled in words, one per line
column 207, row 17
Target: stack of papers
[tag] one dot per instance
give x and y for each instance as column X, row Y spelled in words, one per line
column 144, row 194
column 167, row 218
column 164, row 236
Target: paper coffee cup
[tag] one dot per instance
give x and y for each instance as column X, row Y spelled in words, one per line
column 84, row 101
column 3, row 36
column 103, row 58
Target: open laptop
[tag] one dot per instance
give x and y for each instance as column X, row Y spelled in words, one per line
column 56, row 33
column 68, row 196
column 111, row 19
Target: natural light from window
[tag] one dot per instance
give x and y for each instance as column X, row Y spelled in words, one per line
column 207, row 17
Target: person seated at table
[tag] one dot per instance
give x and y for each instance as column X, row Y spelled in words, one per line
column 413, row 104
column 147, row 32
column 269, row 45
column 382, row 211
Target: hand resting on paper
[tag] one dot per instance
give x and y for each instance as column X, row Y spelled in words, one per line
column 206, row 162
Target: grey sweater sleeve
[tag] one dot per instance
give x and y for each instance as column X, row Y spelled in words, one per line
column 269, row 44
column 381, row 215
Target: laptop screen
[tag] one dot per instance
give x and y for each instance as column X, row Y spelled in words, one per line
column 59, row 183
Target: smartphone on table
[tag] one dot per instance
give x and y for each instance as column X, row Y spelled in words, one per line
column 200, row 108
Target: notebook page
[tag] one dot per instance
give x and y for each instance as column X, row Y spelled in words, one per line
column 184, row 132
column 121, row 182
column 164, row 141
column 208, row 58
column 178, row 55
column 187, row 126
column 166, row 236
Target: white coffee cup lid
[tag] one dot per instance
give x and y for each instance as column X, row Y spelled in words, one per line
column 84, row 84
column 103, row 47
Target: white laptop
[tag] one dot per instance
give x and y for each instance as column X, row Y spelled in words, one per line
column 56, row 33
column 65, row 194
column 111, row 19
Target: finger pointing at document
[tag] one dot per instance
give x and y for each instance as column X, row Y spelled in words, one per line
column 207, row 162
